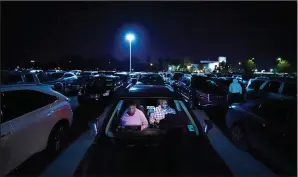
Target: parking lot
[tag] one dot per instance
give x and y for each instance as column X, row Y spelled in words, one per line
column 240, row 163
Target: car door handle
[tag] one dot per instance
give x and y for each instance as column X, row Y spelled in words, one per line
column 5, row 134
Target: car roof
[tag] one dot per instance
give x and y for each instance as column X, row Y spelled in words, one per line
column 106, row 76
column 152, row 91
column 149, row 73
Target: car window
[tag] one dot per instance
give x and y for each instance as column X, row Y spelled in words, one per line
column 29, row 78
column 147, row 106
column 57, row 75
column 15, row 103
column 272, row 87
column 85, row 73
column 290, row 89
column 68, row 75
column 255, row 84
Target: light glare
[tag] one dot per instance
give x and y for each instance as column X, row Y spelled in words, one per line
column 130, row 37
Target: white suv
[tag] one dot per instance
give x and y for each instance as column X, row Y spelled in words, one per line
column 34, row 117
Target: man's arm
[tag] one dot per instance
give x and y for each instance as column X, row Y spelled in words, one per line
column 172, row 111
column 152, row 117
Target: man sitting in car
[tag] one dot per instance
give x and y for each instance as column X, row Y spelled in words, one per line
column 160, row 111
column 134, row 117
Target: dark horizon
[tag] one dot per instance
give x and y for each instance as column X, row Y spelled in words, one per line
column 47, row 31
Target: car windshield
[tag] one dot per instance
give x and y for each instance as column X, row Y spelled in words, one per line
column 57, row 75
column 180, row 118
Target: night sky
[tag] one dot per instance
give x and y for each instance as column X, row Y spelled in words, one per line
column 45, row 31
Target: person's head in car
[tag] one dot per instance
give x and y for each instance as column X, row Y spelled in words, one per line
column 163, row 104
column 132, row 106
column 133, row 116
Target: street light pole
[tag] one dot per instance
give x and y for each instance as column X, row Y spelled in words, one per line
column 130, row 37
column 130, row 56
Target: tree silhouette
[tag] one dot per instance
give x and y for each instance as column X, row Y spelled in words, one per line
column 283, row 66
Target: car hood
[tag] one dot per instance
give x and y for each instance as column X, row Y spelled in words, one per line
column 174, row 156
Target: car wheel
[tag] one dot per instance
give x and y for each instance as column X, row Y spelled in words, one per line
column 58, row 138
column 239, row 136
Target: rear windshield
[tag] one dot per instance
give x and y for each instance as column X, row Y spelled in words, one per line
column 102, row 82
column 148, row 78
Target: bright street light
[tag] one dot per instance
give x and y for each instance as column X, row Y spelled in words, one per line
column 271, row 70
column 130, row 37
column 32, row 61
column 252, row 58
column 278, row 59
column 151, row 64
column 239, row 63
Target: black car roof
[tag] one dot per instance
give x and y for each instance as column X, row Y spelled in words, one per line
column 149, row 91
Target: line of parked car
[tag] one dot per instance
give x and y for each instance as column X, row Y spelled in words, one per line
column 44, row 122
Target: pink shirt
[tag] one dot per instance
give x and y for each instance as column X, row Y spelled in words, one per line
column 137, row 119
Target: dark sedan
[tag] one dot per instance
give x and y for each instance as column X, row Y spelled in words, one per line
column 201, row 91
column 269, row 127
column 179, row 147
column 99, row 89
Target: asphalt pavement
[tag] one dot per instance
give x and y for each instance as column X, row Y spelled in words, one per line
column 64, row 164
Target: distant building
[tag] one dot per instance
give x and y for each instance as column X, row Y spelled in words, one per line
column 209, row 65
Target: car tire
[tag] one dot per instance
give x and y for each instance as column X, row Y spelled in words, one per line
column 239, row 136
column 58, row 138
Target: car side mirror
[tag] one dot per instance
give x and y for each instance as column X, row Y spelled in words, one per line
column 207, row 125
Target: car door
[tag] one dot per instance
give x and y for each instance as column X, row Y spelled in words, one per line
column 270, row 129
column 6, row 141
column 28, row 122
